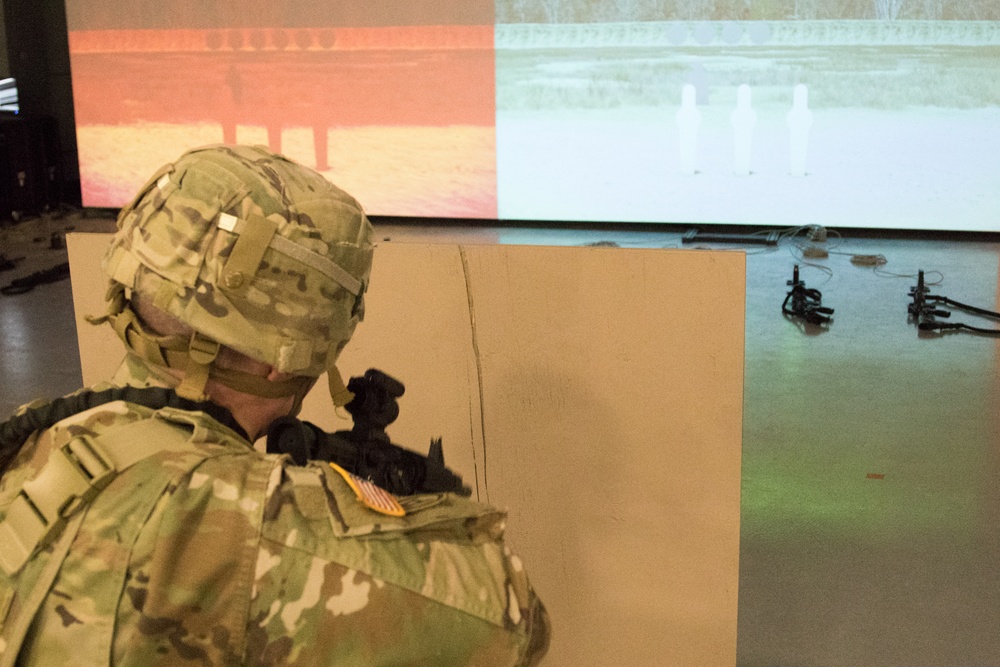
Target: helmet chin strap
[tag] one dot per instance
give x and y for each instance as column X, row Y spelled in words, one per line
column 339, row 392
column 195, row 356
column 201, row 352
column 301, row 395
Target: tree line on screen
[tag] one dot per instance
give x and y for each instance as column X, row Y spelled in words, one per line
column 589, row 11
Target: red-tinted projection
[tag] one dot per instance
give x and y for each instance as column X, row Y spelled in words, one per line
column 400, row 115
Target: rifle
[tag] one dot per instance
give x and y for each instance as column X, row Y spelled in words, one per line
column 807, row 304
column 366, row 450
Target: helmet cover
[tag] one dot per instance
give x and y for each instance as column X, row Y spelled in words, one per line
column 251, row 250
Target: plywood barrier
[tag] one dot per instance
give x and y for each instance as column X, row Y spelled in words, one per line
column 596, row 393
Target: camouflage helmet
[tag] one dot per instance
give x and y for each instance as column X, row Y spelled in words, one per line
column 251, row 251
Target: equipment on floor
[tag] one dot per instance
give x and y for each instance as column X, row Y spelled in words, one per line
column 698, row 236
column 804, row 303
column 923, row 311
column 28, row 283
column 8, row 264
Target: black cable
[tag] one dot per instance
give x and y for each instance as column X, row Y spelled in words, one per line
column 956, row 326
column 962, row 306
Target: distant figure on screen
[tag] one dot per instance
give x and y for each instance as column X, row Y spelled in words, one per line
column 800, row 119
column 688, row 122
column 743, row 118
column 234, row 107
column 698, row 76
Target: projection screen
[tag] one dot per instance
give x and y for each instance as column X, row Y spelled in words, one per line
column 841, row 113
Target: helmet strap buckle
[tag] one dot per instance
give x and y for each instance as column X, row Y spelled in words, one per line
column 339, row 392
column 202, row 351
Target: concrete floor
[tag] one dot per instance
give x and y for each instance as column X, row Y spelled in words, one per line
column 38, row 351
column 870, row 527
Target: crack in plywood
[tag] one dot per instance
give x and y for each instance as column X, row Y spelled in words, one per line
column 479, row 376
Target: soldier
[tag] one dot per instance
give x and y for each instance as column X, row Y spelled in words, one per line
column 138, row 526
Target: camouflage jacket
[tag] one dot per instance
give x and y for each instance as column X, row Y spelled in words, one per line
column 213, row 553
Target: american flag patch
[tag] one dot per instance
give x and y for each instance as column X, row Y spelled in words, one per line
column 371, row 496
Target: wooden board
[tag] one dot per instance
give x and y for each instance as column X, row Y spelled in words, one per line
column 596, row 393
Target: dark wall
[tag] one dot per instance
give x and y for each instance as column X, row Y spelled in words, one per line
column 37, row 54
column 4, row 64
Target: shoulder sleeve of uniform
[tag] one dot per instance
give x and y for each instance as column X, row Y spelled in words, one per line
column 437, row 512
column 27, row 462
column 318, row 492
column 438, row 567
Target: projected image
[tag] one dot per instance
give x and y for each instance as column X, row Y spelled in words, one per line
column 392, row 101
column 865, row 113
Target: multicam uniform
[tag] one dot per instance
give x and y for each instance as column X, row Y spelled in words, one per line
column 211, row 553
column 142, row 536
